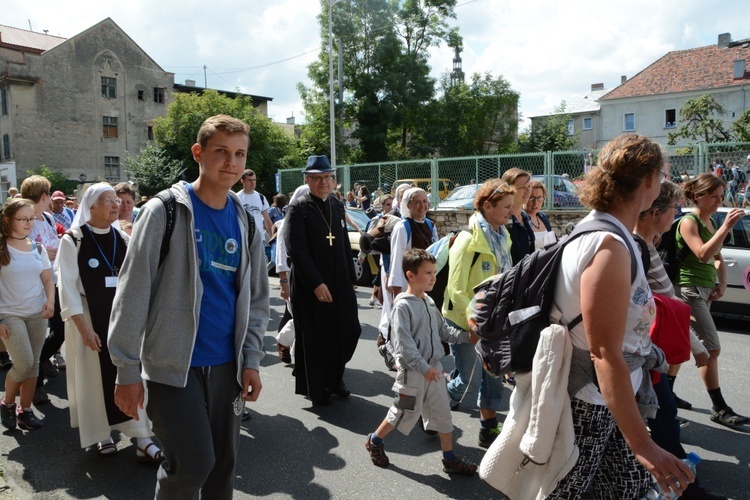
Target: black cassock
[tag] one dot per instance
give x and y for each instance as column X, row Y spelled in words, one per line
column 326, row 333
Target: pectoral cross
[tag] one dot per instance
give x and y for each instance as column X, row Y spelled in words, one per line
column 330, row 239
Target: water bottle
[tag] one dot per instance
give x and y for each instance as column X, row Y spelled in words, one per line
column 656, row 493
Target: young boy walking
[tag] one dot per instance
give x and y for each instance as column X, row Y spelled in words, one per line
column 417, row 330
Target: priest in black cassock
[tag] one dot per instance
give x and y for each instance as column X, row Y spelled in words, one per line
column 324, row 304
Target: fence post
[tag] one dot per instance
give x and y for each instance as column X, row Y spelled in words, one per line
column 346, row 182
column 549, row 171
column 434, row 183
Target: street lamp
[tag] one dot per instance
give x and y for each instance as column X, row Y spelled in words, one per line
column 332, row 118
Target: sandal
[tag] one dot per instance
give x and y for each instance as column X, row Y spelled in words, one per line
column 106, row 449
column 143, row 456
column 727, row 416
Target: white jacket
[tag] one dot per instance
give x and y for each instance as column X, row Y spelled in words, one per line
column 536, row 447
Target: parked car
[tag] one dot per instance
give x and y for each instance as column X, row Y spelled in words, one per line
column 565, row 193
column 445, row 185
column 367, row 269
column 461, row 197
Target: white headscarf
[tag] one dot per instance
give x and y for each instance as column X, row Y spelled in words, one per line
column 92, row 194
column 408, row 195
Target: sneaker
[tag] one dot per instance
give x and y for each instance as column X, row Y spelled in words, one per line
column 487, row 435
column 459, row 466
column 8, row 415
column 5, row 361
column 377, row 452
column 40, row 397
column 48, row 369
column 681, row 403
column 27, row 420
column 390, row 363
column 683, row 422
column 59, row 361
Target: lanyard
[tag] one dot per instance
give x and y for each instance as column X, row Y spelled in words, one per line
column 112, row 269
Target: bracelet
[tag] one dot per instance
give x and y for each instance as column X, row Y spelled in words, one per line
column 284, row 281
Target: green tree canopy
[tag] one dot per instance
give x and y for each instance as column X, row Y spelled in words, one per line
column 550, row 133
column 57, row 178
column 153, row 170
column 741, row 127
column 270, row 147
column 700, row 120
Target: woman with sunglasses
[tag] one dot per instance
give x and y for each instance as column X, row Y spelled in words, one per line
column 612, row 348
column 27, row 300
column 89, row 262
column 521, row 232
column 543, row 234
column 477, row 254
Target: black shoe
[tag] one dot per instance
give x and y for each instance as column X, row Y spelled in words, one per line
column 8, row 415
column 48, row 369
column 246, row 414
column 324, row 401
column 459, row 466
column 681, row 403
column 342, row 390
column 683, row 422
column 487, row 435
column 377, row 452
column 426, row 431
column 27, row 420
column 40, row 397
column 5, row 361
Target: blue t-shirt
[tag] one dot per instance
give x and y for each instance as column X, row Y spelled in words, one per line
column 219, row 243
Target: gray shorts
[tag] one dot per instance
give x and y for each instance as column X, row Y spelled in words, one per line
column 700, row 308
column 414, row 397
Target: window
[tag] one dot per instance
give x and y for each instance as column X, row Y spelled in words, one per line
column 629, row 121
column 159, row 94
column 6, row 146
column 670, row 118
column 112, row 168
column 571, row 127
column 109, row 87
column 109, row 127
column 4, row 100
column 141, row 96
column 150, row 133
column 587, row 123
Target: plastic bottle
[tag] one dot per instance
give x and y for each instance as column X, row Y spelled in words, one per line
column 656, row 493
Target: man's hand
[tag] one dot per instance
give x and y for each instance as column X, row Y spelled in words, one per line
column 129, row 398
column 322, row 293
column 251, row 385
column 91, row 340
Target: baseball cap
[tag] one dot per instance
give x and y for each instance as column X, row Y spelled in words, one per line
column 58, row 195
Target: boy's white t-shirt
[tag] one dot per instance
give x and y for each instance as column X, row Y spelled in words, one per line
column 641, row 311
column 255, row 204
column 21, row 289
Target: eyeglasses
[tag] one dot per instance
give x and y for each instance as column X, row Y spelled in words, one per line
column 25, row 220
column 501, row 189
column 111, row 202
column 536, row 198
column 322, row 178
column 663, row 175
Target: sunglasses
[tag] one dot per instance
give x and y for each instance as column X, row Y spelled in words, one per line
column 502, row 189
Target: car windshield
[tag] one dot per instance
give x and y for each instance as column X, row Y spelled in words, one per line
column 463, row 193
column 359, row 217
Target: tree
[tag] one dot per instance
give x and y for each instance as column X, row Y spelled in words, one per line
column 57, row 178
column 551, row 133
column 699, row 121
column 270, row 149
column 741, row 127
column 153, row 170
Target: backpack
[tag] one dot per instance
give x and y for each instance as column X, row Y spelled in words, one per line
column 170, row 206
column 511, row 310
column 667, row 248
column 739, row 175
column 440, row 250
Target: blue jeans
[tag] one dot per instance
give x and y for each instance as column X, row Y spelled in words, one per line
column 464, row 382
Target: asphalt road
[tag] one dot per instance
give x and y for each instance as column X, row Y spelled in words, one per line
column 291, row 450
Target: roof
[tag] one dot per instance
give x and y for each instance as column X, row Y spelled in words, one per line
column 580, row 103
column 31, row 40
column 257, row 99
column 703, row 68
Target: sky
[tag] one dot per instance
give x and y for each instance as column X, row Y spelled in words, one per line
column 547, row 50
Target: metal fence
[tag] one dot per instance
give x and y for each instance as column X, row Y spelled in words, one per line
column 561, row 171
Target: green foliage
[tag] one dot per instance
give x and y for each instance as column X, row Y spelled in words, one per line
column 700, row 120
column 741, row 127
column 153, row 170
column 271, row 148
column 550, row 133
column 57, row 178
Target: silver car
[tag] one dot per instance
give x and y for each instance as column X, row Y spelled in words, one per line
column 736, row 254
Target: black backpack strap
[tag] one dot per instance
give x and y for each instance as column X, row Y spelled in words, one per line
column 38, row 247
column 250, row 227
column 170, row 208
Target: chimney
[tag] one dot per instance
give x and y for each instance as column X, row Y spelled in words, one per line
column 623, row 79
column 597, row 86
column 190, row 83
column 724, row 40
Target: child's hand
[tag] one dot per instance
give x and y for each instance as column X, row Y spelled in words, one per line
column 432, row 375
column 473, row 337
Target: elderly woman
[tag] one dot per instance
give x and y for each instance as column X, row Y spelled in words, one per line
column 477, row 254
column 521, row 232
column 616, row 452
column 543, row 234
column 89, row 262
column 126, row 194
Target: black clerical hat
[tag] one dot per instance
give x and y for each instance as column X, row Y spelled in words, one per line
column 318, row 165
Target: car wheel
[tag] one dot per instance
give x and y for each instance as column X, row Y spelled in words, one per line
column 362, row 272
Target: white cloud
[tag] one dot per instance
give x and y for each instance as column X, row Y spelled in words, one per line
column 547, row 50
